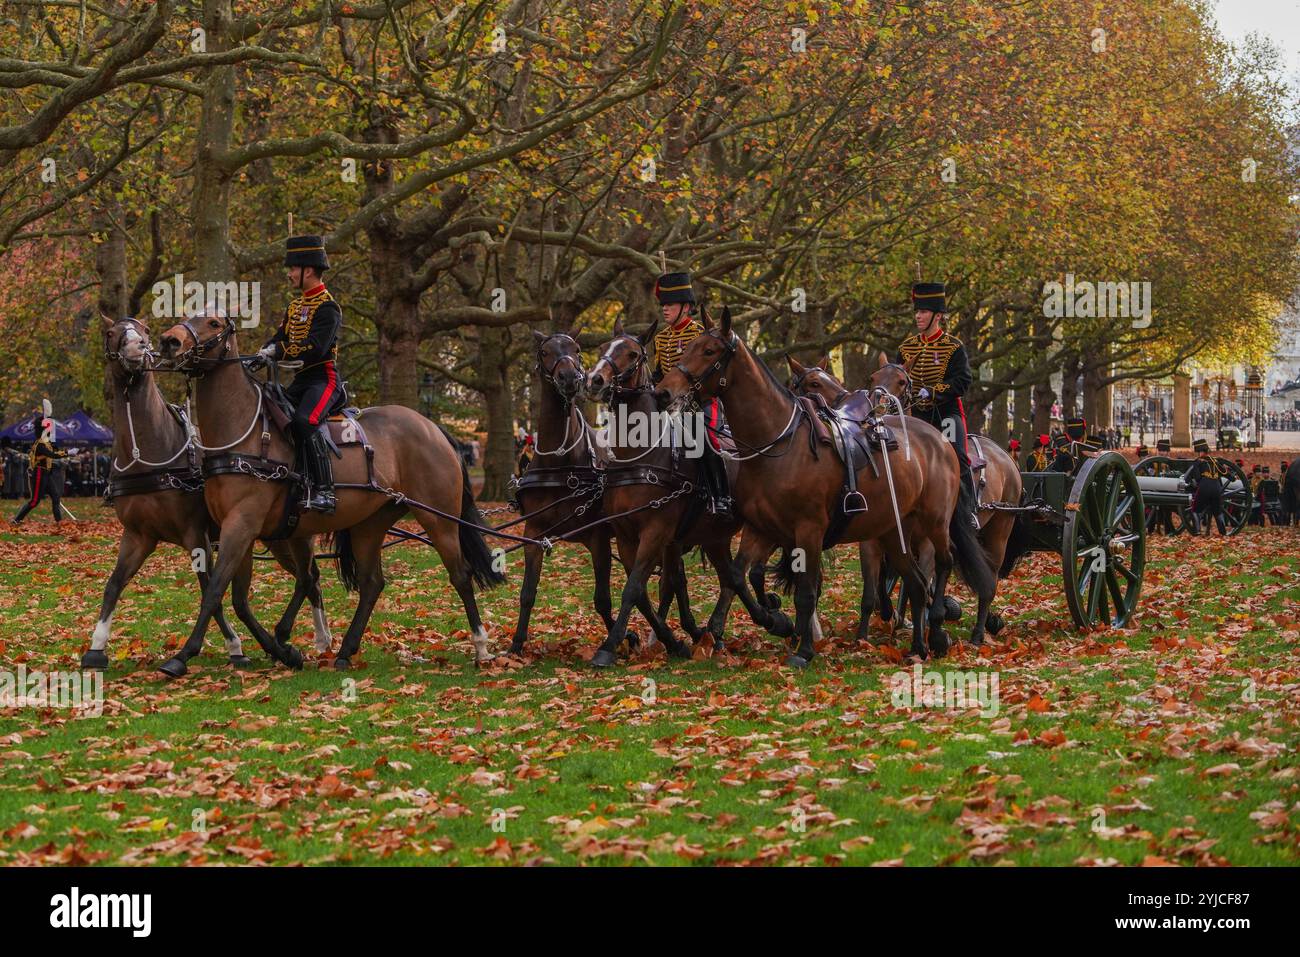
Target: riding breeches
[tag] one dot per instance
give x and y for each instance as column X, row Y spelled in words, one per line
column 43, row 483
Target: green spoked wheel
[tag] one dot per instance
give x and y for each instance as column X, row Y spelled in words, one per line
column 1236, row 495
column 1103, row 543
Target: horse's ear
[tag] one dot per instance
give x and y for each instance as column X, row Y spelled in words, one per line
column 618, row 326
column 107, row 321
column 726, row 322
column 884, row 360
column 649, row 333
column 796, row 366
column 538, row 338
column 825, row 362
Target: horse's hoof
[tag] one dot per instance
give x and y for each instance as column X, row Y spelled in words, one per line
column 781, row 625
column 798, row 662
column 952, row 609
column 342, row 664
column 94, row 660
column 679, row 649
column 772, row 600
column 993, row 623
column 939, row 642
column 291, row 658
column 241, row 662
column 173, row 668
column 603, row 658
column 517, row 649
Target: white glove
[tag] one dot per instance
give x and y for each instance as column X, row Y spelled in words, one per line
column 923, row 394
column 267, row 352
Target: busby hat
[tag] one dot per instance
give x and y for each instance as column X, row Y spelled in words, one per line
column 1015, row 445
column 1266, row 471
column 1201, row 447
column 1162, row 445
column 1143, row 451
column 929, row 295
column 674, row 287
column 1061, row 442
column 1042, row 442
column 306, row 251
column 1256, row 468
column 1076, row 428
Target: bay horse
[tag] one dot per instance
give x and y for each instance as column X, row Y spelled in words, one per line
column 790, row 491
column 400, row 456
column 650, row 498
column 1001, row 478
column 158, row 497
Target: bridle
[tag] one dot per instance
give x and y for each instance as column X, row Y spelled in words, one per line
column 548, row 375
column 719, row 365
column 115, row 355
column 200, row 349
column 133, row 376
column 905, row 399
column 618, row 382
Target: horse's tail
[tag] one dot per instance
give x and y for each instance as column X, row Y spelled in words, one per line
column 473, row 546
column 341, row 542
column 1018, row 543
column 972, row 559
column 783, row 572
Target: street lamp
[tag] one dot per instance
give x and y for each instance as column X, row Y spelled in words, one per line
column 1255, row 405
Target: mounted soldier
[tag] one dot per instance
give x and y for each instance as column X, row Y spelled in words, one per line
column 309, row 334
column 940, row 372
column 677, row 301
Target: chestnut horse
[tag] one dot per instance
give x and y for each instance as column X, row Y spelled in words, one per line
column 790, row 491
column 650, row 497
column 158, row 497
column 1002, row 482
column 412, row 459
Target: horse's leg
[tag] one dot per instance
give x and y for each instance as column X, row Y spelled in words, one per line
column 295, row 556
column 528, row 592
column 718, row 551
column 239, row 586
column 807, row 588
column 237, row 534
column 939, row 641
column 869, row 559
column 602, row 561
column 639, row 559
column 681, row 591
column 446, row 541
column 754, row 552
column 367, row 543
column 234, row 646
column 132, row 551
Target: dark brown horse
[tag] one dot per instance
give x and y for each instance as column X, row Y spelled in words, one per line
column 1001, row 478
column 412, row 459
column 650, row 495
column 790, row 491
column 560, row 492
column 158, row 497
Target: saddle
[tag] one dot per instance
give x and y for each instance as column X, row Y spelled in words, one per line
column 853, row 441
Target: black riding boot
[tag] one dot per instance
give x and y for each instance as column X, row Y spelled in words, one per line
column 715, row 473
column 320, row 473
column 968, row 481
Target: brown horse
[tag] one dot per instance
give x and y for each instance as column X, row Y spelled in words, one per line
column 1001, row 483
column 158, row 497
column 1001, row 478
column 790, row 491
column 650, row 496
column 560, row 493
column 406, row 457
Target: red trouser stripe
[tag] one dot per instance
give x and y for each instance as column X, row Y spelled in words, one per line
column 36, row 489
column 323, row 404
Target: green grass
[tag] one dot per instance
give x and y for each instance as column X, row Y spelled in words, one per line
column 1109, row 746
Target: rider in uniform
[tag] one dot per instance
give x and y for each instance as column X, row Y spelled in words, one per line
column 1038, row 458
column 677, row 300
column 44, row 459
column 1209, row 490
column 309, row 334
column 940, row 373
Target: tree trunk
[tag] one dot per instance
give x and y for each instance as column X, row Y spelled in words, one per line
column 399, row 352
column 1069, row 387
column 1024, row 412
column 211, row 207
column 499, row 457
column 1044, row 396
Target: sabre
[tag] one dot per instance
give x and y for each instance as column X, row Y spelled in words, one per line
column 893, row 499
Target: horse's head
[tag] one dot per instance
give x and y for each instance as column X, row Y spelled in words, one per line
column 559, row 362
column 815, row 380
column 702, row 369
column 892, row 377
column 622, row 364
column 197, row 343
column 126, row 346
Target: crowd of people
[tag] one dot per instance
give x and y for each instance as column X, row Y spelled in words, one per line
column 83, row 473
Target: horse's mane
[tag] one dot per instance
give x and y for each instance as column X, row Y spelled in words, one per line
column 771, row 376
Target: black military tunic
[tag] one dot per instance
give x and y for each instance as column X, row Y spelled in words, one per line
column 309, row 333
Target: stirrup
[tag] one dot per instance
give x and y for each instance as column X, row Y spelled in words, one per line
column 854, row 503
